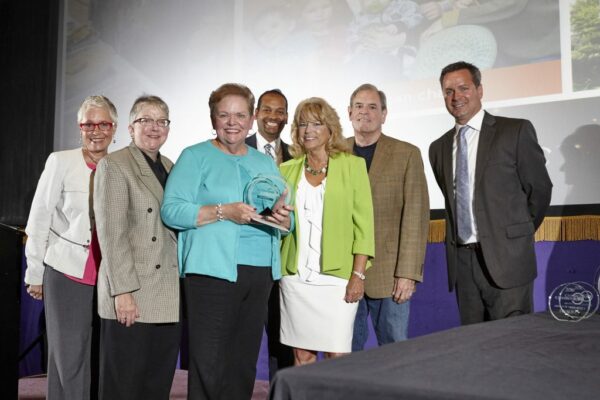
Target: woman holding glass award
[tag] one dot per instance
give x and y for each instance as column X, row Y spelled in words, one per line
column 228, row 259
column 326, row 255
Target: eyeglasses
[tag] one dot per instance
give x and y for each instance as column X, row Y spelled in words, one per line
column 304, row 125
column 90, row 126
column 162, row 123
column 237, row 116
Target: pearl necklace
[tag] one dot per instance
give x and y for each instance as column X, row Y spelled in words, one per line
column 314, row 172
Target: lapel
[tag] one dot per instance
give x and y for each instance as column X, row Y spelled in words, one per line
column 292, row 174
column 251, row 140
column 285, row 152
column 486, row 137
column 335, row 181
column 145, row 174
column 447, row 143
column 380, row 160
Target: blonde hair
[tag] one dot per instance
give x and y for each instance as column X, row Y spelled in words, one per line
column 317, row 109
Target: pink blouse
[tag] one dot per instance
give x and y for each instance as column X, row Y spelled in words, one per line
column 90, row 273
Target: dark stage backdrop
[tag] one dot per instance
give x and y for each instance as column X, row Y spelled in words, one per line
column 28, row 48
column 28, row 57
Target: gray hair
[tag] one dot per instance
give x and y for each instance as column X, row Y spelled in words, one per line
column 97, row 102
column 146, row 99
column 368, row 86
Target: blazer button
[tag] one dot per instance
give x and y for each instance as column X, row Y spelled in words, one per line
column 154, row 238
column 150, row 210
column 157, row 266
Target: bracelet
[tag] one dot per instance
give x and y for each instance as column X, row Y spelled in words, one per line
column 220, row 212
column 360, row 275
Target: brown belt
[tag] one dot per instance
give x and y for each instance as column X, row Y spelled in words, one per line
column 470, row 246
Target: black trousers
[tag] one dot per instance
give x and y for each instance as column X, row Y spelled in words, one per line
column 480, row 299
column 137, row 363
column 225, row 329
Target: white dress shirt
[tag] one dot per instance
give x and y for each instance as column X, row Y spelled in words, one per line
column 261, row 142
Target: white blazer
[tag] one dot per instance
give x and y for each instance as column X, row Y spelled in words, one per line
column 58, row 227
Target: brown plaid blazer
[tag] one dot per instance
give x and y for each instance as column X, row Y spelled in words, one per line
column 401, row 210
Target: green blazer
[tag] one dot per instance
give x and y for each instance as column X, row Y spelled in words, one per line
column 347, row 216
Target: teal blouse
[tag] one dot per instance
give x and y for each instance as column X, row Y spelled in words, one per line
column 204, row 175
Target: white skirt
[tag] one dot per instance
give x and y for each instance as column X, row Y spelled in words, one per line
column 315, row 317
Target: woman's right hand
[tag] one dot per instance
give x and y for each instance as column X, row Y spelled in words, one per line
column 240, row 213
column 36, row 291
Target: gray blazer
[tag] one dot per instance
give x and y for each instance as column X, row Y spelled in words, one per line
column 139, row 254
column 512, row 194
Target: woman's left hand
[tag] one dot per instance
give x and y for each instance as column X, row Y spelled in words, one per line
column 355, row 289
column 126, row 309
column 281, row 216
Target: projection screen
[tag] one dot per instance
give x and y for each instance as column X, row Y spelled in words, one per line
column 540, row 60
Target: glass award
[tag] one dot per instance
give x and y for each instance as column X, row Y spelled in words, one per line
column 267, row 193
column 573, row 301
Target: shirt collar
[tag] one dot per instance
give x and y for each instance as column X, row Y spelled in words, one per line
column 474, row 123
column 261, row 142
column 150, row 160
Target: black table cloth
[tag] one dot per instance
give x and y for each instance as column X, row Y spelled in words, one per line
column 528, row 357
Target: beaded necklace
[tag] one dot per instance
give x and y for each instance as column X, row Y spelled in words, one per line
column 314, row 172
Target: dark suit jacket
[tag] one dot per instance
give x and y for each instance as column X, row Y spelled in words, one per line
column 401, row 211
column 285, row 152
column 512, row 193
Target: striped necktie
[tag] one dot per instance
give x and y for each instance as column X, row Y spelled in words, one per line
column 463, row 190
column 270, row 151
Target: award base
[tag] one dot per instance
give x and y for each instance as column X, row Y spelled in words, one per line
column 261, row 220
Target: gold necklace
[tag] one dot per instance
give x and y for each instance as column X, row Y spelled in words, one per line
column 314, row 172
